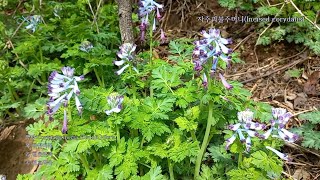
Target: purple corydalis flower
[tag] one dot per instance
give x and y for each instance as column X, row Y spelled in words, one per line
column 115, row 103
column 225, row 83
column 245, row 125
column 86, row 46
column 145, row 8
column 213, row 35
column 278, row 125
column 126, row 55
column 33, row 22
column 58, row 86
column 211, row 46
column 279, row 154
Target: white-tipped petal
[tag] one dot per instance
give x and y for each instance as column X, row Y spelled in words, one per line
column 57, row 101
column 119, row 63
column 230, row 140
column 248, row 143
column 224, row 48
column 278, row 153
column 267, row 134
column 122, row 69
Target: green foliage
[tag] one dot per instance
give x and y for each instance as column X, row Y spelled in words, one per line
column 294, row 73
column 55, row 43
column 35, row 110
column 299, row 30
column 309, row 130
column 258, row 166
column 163, row 118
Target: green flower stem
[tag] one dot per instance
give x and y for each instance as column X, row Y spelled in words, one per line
column 204, row 142
column 240, row 160
column 30, row 89
column 102, row 79
column 210, row 137
column 170, row 169
column 69, row 109
column 118, row 134
column 97, row 75
column 151, row 52
column 142, row 141
column 13, row 93
column 95, row 155
column 84, row 161
column 194, row 137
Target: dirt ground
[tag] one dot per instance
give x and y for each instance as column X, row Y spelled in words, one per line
column 14, row 152
column 263, row 74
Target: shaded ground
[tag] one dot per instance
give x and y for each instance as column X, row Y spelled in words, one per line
column 263, row 73
column 14, row 151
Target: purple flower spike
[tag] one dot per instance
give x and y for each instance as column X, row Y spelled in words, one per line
column 225, row 83
column 126, row 55
column 145, row 8
column 115, row 103
column 33, row 22
column 246, row 128
column 58, row 86
column 86, row 46
column 278, row 125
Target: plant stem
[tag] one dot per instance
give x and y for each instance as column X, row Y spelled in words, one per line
column 84, row 161
column 30, row 89
column 118, row 134
column 240, row 160
column 194, row 137
column 142, row 141
column 151, row 53
column 97, row 75
column 102, row 79
column 95, row 155
column 170, row 169
column 204, row 142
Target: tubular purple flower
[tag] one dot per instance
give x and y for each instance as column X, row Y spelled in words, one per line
column 115, row 103
column 245, row 116
column 65, row 123
column 205, row 81
column 67, row 71
column 235, row 127
column 119, row 72
column 230, row 141
column 162, row 36
column 248, row 143
column 126, row 55
column 246, row 125
column 278, row 125
column 33, row 22
column 225, row 83
column 86, row 46
column 279, row 154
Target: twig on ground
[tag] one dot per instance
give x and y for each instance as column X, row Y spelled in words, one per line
column 298, row 147
column 243, row 41
column 279, row 69
column 304, row 16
